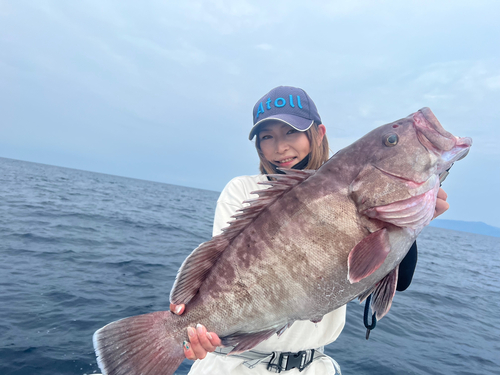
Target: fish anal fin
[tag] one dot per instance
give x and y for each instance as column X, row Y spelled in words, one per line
column 245, row 341
column 365, row 294
column 384, row 293
column 368, row 255
column 283, row 329
column 197, row 265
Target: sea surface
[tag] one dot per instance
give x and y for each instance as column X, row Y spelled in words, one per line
column 80, row 249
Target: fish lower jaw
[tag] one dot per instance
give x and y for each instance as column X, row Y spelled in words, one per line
column 460, row 151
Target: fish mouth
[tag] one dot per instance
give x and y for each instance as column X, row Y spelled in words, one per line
column 458, row 152
column 436, row 139
column 464, row 153
column 427, row 123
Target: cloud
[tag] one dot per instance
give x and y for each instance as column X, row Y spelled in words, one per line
column 181, row 51
column 225, row 16
column 264, row 47
column 162, row 80
column 493, row 82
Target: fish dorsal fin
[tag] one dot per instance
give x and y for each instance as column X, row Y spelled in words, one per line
column 195, row 268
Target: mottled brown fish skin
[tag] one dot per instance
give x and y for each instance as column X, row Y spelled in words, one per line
column 291, row 261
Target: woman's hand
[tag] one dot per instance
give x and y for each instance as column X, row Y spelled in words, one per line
column 441, row 204
column 200, row 342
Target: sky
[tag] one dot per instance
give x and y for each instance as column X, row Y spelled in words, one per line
column 164, row 90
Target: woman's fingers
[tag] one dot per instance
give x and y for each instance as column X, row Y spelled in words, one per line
column 205, row 344
column 208, row 340
column 188, row 351
column 441, row 204
column 177, row 309
column 442, row 194
column 214, row 339
column 199, row 351
column 200, row 342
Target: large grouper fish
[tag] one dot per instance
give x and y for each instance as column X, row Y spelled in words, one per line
column 311, row 242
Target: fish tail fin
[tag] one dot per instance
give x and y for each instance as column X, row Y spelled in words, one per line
column 139, row 345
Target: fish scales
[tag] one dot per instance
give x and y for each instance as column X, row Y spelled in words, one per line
column 310, row 244
column 291, row 252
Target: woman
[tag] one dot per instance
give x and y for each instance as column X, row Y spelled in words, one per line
column 289, row 134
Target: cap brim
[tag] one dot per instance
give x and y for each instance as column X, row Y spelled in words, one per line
column 296, row 122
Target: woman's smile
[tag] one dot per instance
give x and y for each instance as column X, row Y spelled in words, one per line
column 283, row 145
column 286, row 162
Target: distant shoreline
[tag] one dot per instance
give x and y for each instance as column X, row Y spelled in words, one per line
column 476, row 227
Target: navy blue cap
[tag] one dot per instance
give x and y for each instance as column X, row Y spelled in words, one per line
column 287, row 104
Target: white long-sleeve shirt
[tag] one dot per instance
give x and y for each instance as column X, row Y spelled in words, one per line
column 300, row 336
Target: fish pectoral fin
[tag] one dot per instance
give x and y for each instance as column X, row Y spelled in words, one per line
column 242, row 341
column 384, row 293
column 368, row 255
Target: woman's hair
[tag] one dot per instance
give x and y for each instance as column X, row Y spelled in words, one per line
column 318, row 155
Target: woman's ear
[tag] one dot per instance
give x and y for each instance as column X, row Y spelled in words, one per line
column 321, row 133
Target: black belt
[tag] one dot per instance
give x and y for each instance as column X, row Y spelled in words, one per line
column 276, row 361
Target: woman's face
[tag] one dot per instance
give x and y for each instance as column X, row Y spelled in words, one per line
column 282, row 145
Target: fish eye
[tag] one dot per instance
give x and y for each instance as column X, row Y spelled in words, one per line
column 391, row 140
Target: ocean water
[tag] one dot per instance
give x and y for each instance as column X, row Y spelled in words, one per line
column 81, row 249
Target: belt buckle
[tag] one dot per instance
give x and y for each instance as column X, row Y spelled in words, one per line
column 292, row 360
column 295, row 360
